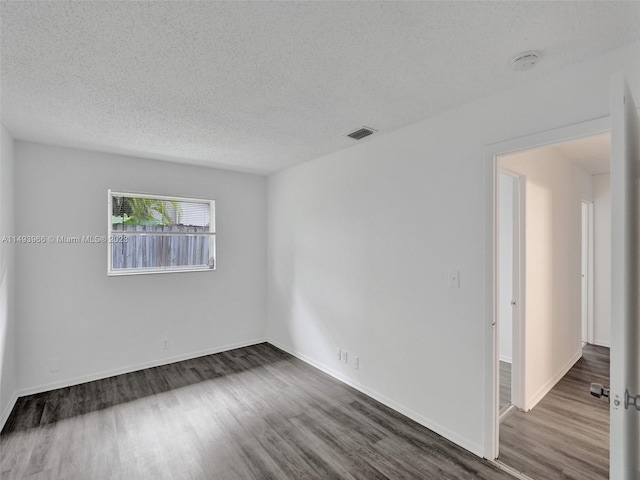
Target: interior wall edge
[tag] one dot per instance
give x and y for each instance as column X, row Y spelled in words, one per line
column 4, row 415
column 474, row 448
column 547, row 387
column 8, row 355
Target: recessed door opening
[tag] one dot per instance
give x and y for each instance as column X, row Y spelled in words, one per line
column 551, row 339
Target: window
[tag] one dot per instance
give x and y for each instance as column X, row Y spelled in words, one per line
column 160, row 234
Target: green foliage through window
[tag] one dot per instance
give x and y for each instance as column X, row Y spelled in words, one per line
column 145, row 211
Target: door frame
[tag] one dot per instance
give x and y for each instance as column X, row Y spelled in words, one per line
column 625, row 327
column 491, row 153
column 589, row 273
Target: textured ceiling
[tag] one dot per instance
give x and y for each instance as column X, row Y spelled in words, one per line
column 261, row 86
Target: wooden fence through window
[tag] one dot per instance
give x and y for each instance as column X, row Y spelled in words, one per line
column 148, row 251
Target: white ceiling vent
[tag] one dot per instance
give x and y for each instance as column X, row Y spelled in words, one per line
column 360, row 134
column 525, row 61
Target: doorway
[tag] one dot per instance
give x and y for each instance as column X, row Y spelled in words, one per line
column 551, row 310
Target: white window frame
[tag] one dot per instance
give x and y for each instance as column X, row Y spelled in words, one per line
column 169, row 269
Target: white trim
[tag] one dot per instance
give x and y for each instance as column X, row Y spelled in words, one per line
column 472, row 447
column 507, row 411
column 171, row 198
column 588, row 128
column 490, row 152
column 134, row 368
column 511, row 471
column 590, row 269
column 8, row 409
column 148, row 271
column 592, row 258
column 546, row 388
column 491, row 384
column 111, row 272
column 520, row 271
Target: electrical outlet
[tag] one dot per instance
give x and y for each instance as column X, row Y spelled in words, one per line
column 356, row 363
column 165, row 344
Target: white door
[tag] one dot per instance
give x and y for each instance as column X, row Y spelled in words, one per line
column 510, row 264
column 587, row 268
column 625, row 299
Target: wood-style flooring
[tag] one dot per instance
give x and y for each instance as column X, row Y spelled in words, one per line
column 250, row 413
column 566, row 436
column 505, row 384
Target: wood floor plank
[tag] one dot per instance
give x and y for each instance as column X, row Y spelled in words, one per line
column 505, row 384
column 254, row 413
column 566, row 436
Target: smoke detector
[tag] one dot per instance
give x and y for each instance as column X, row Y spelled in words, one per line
column 525, row 61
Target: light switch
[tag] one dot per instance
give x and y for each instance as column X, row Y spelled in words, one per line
column 454, row 279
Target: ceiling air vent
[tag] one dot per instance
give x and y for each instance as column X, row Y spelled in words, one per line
column 360, row 134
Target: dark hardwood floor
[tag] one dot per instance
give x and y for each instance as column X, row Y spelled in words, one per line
column 566, row 436
column 251, row 413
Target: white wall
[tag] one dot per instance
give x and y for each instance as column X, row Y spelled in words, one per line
column 505, row 262
column 361, row 242
column 8, row 385
column 602, row 259
column 554, row 190
column 94, row 325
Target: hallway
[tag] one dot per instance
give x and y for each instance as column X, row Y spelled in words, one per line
column 566, row 436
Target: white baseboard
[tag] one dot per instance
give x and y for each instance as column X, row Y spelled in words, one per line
column 601, row 343
column 134, row 368
column 472, row 447
column 7, row 409
column 546, row 388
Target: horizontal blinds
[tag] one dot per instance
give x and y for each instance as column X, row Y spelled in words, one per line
column 163, row 216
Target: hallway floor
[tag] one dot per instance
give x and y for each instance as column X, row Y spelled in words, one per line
column 566, row 436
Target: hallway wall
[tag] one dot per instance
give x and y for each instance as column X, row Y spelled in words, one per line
column 554, row 191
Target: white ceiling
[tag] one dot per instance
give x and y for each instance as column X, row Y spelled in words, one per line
column 591, row 153
column 261, row 86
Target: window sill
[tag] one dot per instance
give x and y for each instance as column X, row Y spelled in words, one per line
column 148, row 271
